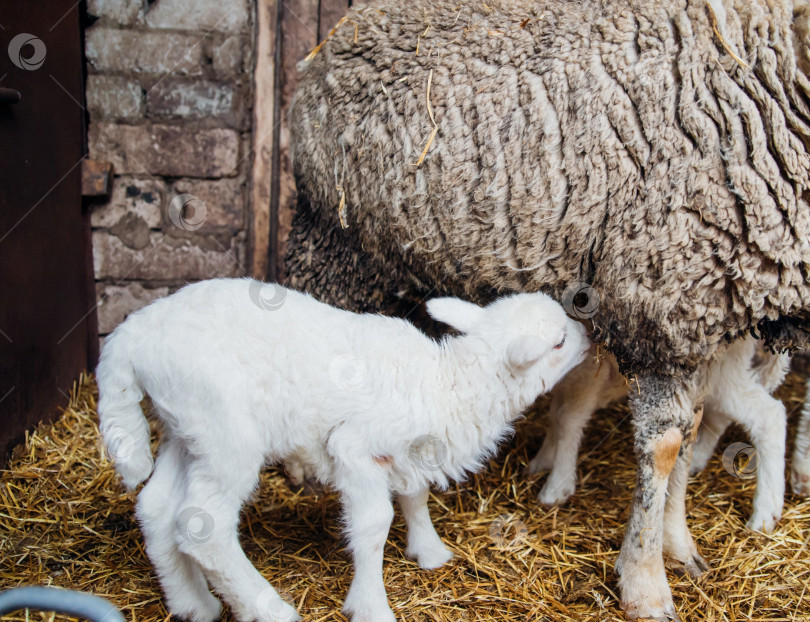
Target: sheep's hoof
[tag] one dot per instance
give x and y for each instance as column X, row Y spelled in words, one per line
column 694, row 567
column 645, row 593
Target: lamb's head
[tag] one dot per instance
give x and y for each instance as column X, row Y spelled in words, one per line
column 530, row 333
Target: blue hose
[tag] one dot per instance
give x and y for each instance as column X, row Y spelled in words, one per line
column 78, row 604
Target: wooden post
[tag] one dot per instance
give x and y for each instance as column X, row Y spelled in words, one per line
column 264, row 137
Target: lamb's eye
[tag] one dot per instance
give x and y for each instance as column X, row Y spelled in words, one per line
column 560, row 345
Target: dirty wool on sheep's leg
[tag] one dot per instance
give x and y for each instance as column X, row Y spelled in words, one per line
column 663, row 418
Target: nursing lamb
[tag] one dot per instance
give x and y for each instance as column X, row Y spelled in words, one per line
column 657, row 151
column 242, row 374
column 741, row 380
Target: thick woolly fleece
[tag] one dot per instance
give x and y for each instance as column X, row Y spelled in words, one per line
column 367, row 403
column 623, row 144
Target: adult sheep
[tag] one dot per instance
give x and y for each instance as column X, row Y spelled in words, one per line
column 656, row 150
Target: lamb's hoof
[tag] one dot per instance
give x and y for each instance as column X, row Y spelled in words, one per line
column 364, row 612
column 539, row 464
column 276, row 610
column 208, row 610
column 430, row 558
column 556, row 493
column 800, row 482
column 763, row 522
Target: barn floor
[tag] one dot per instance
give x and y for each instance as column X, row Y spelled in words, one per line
column 66, row 522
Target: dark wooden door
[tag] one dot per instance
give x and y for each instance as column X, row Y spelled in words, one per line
column 46, row 314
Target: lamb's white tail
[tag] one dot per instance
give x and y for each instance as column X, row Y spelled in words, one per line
column 121, row 420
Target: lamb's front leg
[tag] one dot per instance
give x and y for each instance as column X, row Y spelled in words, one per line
column 424, row 544
column 663, row 417
column 800, row 471
column 369, row 512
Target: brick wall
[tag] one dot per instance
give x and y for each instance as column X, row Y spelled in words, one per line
column 169, row 93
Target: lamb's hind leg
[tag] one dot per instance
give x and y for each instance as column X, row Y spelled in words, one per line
column 207, row 531
column 765, row 420
column 800, row 471
column 184, row 585
column 678, row 543
column 424, row 544
column 663, row 417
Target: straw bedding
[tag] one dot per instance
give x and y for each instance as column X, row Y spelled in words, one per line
column 65, row 521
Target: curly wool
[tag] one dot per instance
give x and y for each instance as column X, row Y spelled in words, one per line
column 616, row 143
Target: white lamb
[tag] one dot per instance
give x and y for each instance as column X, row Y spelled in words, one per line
column 740, row 382
column 370, row 405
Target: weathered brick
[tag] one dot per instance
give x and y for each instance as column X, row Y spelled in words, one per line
column 112, row 97
column 165, row 258
column 127, row 12
column 228, row 56
column 166, row 150
column 110, row 49
column 188, row 98
column 207, row 15
column 223, row 199
column 144, row 197
column 116, row 302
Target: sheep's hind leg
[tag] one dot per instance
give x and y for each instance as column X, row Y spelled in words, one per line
column 663, row 417
column 424, row 544
column 184, row 585
column 207, row 531
column 800, row 471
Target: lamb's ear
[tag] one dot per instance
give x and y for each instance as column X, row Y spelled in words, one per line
column 455, row 312
column 522, row 353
